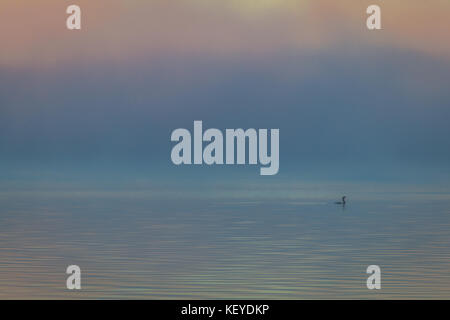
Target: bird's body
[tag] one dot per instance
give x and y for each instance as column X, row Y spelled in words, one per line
column 341, row 202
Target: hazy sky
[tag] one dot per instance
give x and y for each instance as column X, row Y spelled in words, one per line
column 345, row 99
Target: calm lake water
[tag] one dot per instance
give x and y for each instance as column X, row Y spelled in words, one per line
column 247, row 241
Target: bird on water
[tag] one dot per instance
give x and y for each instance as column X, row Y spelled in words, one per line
column 341, row 202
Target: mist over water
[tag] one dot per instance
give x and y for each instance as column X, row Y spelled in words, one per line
column 86, row 179
column 85, row 170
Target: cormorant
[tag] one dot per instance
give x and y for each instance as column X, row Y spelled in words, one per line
column 341, row 202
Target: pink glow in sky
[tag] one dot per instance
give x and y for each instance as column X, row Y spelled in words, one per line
column 34, row 33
